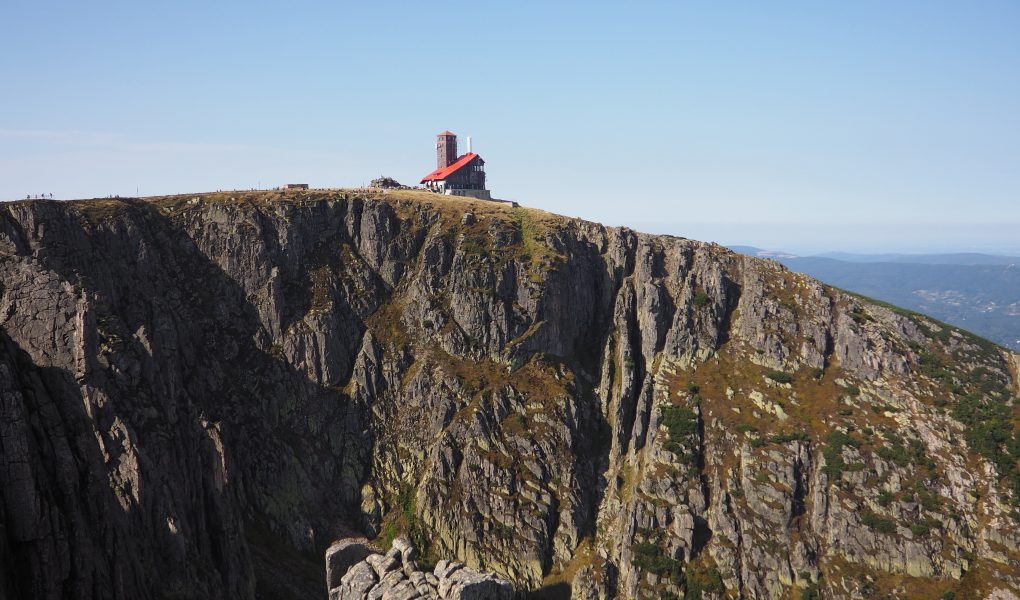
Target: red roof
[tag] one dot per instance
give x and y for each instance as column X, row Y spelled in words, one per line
column 441, row 174
column 447, row 132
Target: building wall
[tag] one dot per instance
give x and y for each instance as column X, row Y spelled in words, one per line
column 446, row 150
column 471, row 177
column 480, row 194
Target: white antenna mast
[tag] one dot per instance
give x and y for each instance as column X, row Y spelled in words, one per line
column 469, row 144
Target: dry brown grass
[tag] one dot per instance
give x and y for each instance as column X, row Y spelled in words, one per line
column 559, row 578
column 97, row 211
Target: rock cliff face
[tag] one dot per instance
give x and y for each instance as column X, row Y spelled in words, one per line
column 199, row 394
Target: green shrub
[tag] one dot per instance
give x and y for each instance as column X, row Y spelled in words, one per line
column 682, row 425
column 701, row 299
column 650, row 558
column 919, row 529
column 885, row 497
column 476, row 245
column 838, row 438
column 789, row 436
column 810, row 592
column 893, row 453
column 931, row 365
column 701, row 581
column 817, row 373
column 928, row 500
column 680, row 421
column 402, row 519
column 879, row 524
column 780, row 377
column 987, row 382
column 988, row 430
column 833, row 452
column 746, row 428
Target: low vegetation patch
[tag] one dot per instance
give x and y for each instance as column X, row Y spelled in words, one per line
column 988, row 430
column 879, row 524
column 650, row 558
column 475, row 244
column 811, row 592
column 701, row 581
column 403, row 519
column 931, row 365
column 833, row 453
column 533, row 239
column 780, row 377
column 786, row 437
column 682, row 425
column 912, row 454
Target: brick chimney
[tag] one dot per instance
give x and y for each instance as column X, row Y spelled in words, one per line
column 446, row 149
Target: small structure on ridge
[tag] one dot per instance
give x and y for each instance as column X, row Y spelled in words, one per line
column 386, row 183
column 457, row 175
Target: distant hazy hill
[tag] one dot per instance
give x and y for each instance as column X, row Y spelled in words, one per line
column 979, row 292
column 959, row 258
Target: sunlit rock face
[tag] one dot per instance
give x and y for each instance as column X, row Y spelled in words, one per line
column 356, row 570
column 199, row 395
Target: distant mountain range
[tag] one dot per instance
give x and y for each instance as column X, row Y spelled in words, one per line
column 978, row 292
column 960, row 258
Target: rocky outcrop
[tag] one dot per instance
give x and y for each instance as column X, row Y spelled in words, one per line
column 396, row 575
column 198, row 393
column 344, row 554
column 386, row 183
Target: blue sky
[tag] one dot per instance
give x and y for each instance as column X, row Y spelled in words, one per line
column 806, row 126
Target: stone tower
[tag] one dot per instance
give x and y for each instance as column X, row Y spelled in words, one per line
column 446, row 149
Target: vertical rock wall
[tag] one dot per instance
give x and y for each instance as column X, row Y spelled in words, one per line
column 198, row 395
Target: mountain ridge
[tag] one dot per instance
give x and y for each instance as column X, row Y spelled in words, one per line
column 241, row 378
column 982, row 297
column 923, row 258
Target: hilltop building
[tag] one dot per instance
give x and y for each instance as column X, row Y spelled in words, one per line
column 456, row 175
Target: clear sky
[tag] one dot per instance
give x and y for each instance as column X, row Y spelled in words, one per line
column 804, row 126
